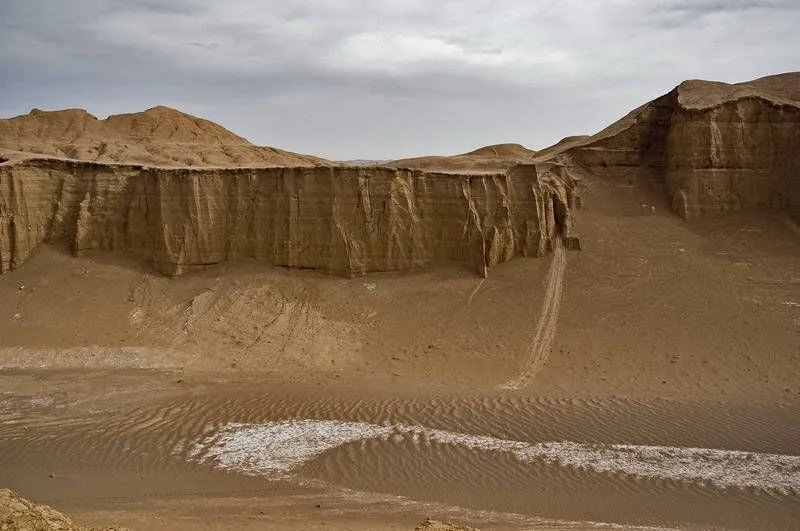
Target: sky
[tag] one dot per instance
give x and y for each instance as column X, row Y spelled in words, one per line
column 347, row 79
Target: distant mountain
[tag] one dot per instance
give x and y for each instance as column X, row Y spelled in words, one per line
column 498, row 157
column 159, row 136
column 363, row 162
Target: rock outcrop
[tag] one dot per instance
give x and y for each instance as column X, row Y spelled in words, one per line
column 158, row 136
column 347, row 221
column 712, row 147
column 19, row 514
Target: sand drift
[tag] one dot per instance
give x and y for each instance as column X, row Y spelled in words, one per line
column 275, row 448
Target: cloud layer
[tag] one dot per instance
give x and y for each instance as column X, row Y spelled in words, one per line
column 375, row 79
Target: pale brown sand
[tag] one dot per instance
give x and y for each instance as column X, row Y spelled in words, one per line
column 19, row 514
column 659, row 307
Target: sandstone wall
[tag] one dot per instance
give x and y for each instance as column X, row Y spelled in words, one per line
column 741, row 154
column 347, row 221
column 738, row 154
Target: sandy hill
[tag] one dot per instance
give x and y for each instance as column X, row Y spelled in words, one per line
column 498, row 157
column 158, row 136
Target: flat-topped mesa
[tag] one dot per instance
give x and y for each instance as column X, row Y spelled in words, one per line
column 712, row 147
column 342, row 220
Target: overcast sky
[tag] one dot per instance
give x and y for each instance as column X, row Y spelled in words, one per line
column 384, row 79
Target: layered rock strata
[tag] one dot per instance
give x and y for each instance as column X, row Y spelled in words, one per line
column 712, row 147
column 342, row 220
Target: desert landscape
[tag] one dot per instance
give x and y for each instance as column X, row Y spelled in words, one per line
column 200, row 333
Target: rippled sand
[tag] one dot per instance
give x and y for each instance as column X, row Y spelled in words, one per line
column 115, row 438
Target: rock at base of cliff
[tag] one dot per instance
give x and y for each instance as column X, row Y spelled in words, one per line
column 19, row 514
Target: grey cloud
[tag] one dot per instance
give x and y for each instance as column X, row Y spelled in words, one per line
column 349, row 79
column 716, row 6
column 174, row 7
column 685, row 12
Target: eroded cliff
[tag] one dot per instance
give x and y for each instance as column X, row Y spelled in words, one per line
column 712, row 147
column 347, row 221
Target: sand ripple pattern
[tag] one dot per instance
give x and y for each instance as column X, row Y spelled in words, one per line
column 611, row 460
column 280, row 446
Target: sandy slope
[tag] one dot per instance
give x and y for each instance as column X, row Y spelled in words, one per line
column 655, row 305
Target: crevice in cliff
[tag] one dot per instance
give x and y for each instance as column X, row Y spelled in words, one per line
column 12, row 245
column 560, row 217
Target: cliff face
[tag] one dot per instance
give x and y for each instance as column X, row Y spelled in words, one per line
column 712, row 147
column 343, row 220
column 739, row 154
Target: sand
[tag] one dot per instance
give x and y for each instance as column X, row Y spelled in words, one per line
column 19, row 514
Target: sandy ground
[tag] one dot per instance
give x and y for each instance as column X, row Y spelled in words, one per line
column 653, row 308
